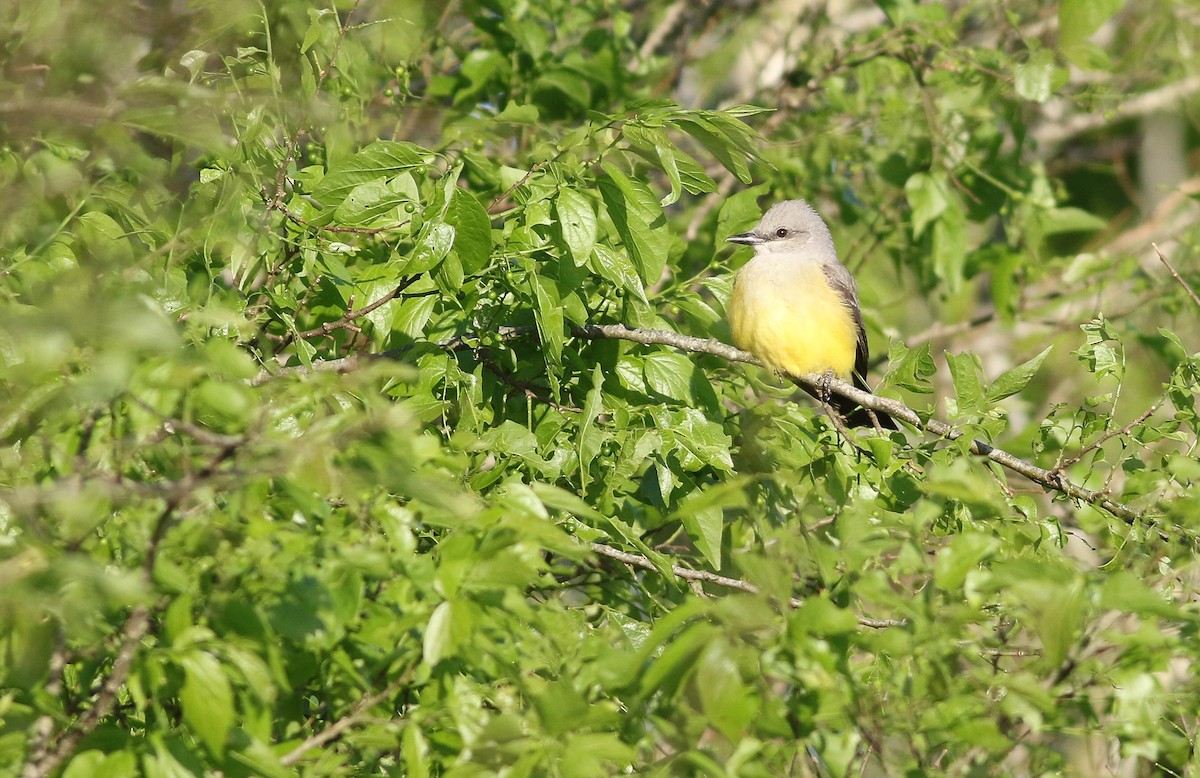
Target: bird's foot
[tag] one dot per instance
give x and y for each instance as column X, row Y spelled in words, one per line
column 826, row 386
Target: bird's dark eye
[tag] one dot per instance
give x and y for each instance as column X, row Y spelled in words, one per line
column 781, row 232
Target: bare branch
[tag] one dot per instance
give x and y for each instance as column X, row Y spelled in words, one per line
column 1057, row 130
column 1048, row 479
column 358, row 714
column 687, row 574
column 350, row 316
column 43, row 728
column 136, row 626
column 894, row 408
column 132, row 632
column 1176, row 275
column 1107, row 436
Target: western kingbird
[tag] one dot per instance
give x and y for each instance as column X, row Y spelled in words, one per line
column 795, row 306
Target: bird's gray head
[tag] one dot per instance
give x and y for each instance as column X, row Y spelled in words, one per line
column 791, row 226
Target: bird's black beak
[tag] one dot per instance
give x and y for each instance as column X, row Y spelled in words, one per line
column 745, row 238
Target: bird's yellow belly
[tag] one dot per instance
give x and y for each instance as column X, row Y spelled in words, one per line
column 792, row 319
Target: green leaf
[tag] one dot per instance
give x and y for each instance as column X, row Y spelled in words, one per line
column 472, row 231
column 639, row 221
column 560, row 499
column 697, row 441
column 1017, row 378
column 727, row 700
column 96, row 764
column 509, row 437
column 548, row 314
column 518, row 114
column 968, row 391
column 568, row 84
column 950, row 247
column 1078, row 20
column 964, row 554
column 1126, row 592
column 1034, row 79
column 438, row 641
column 379, row 160
column 911, row 368
column 670, row 375
column 381, row 281
column 413, row 314
column 692, row 175
column 449, row 277
column 105, row 237
column 821, row 617
column 726, row 137
column 928, row 197
column 207, row 700
column 1059, row 220
column 368, row 201
column 1099, row 353
column 745, row 109
column 576, row 221
column 677, row 660
column 313, row 33
column 432, row 247
column 591, row 438
column 705, row 525
column 617, row 267
column 1005, row 282
column 655, row 145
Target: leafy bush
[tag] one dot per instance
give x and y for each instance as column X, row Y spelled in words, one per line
column 362, row 412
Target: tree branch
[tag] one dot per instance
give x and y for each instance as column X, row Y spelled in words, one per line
column 132, row 632
column 1055, row 130
column 1175, row 273
column 687, row 574
column 1107, row 436
column 1048, row 479
column 357, row 714
column 894, row 408
column 330, row 326
column 47, row 759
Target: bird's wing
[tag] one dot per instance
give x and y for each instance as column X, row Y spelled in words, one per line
column 842, row 282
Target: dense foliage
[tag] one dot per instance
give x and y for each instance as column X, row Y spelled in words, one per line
column 313, row 460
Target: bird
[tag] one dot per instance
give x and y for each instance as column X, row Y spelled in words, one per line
column 795, row 306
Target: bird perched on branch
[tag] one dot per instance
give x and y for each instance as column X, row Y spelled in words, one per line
column 795, row 306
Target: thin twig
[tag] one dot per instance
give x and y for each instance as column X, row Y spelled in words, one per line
column 132, row 631
column 697, row 576
column 494, row 207
column 289, row 152
column 357, row 714
column 524, row 387
column 1176, row 275
column 1107, row 436
column 136, row 626
column 666, row 25
column 330, row 326
column 43, row 728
